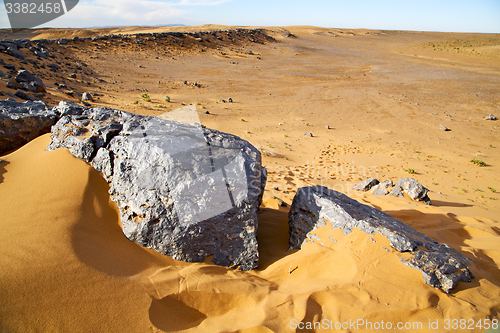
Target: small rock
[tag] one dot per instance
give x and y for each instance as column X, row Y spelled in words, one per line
column 13, row 51
column 10, row 67
column 366, row 185
column 222, row 101
column 229, row 100
column 327, row 127
column 87, row 97
column 85, row 103
column 444, row 128
column 381, row 189
column 23, row 95
column 72, row 75
column 206, row 112
column 308, row 134
column 415, row 190
column 491, row 117
column 397, row 192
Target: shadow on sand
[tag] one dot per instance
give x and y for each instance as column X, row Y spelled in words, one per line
column 2, row 169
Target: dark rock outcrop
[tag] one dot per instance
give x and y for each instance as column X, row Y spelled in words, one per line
column 441, row 266
column 23, row 122
column 183, row 190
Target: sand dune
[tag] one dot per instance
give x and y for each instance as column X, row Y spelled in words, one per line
column 66, row 265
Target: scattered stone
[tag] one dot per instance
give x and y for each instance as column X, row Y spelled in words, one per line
column 444, row 128
column 491, row 117
column 13, row 51
column 21, row 94
column 10, row 67
column 397, row 191
column 308, row 134
column 206, row 112
column 72, row 75
column 13, row 85
column 23, row 122
column 366, row 185
column 54, row 67
column 381, row 188
column 183, row 190
column 415, row 190
column 87, row 97
column 229, row 100
column 441, row 266
column 222, row 101
column 85, row 103
column 30, row 82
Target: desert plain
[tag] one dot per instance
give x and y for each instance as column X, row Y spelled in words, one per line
column 372, row 102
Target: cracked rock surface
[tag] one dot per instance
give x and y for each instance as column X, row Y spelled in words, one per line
column 441, row 266
column 183, row 190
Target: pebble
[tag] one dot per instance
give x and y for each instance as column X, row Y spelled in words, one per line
column 444, row 128
column 491, row 117
column 308, row 134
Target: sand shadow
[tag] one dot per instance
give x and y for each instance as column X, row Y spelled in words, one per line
column 170, row 314
column 439, row 203
column 449, row 230
column 98, row 239
column 273, row 236
column 2, row 169
column 314, row 314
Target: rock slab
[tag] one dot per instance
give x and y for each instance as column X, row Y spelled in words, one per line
column 183, row 190
column 23, row 122
column 441, row 266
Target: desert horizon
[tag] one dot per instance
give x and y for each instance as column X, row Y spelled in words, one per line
column 324, row 107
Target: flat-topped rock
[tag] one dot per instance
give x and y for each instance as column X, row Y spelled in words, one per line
column 441, row 266
column 184, row 190
column 23, row 122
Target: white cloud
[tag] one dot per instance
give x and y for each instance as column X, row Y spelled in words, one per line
column 90, row 13
column 200, row 2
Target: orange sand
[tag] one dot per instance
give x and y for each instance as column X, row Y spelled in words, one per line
column 66, row 266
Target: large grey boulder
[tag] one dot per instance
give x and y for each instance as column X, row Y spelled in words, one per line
column 184, row 190
column 23, row 122
column 441, row 266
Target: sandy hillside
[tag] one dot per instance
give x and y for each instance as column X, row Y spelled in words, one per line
column 66, row 265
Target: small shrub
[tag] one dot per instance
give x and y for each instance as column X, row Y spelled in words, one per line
column 492, row 189
column 478, row 162
column 136, row 102
column 410, row 171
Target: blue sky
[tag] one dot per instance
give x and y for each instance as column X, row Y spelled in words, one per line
column 437, row 15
